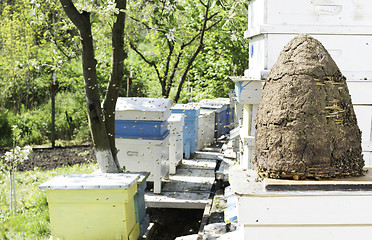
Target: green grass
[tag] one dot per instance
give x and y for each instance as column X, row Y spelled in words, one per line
column 32, row 218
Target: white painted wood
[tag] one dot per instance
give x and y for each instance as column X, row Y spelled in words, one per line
column 294, row 209
column 145, row 109
column 208, row 155
column 193, row 176
column 367, row 156
column 354, row 13
column 188, row 188
column 265, row 49
column 204, row 164
column 248, row 91
column 175, row 126
column 309, row 232
column 238, row 117
column 308, row 29
column 249, row 120
column 138, row 155
column 248, row 153
column 183, row 200
column 306, row 214
column 360, row 91
column 206, row 128
column 245, row 127
column 253, row 119
column 364, row 118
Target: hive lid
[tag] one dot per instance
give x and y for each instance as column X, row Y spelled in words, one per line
column 216, row 107
column 142, row 176
column 217, row 101
column 152, row 109
column 176, row 118
column 189, row 106
column 92, row 181
column 207, row 112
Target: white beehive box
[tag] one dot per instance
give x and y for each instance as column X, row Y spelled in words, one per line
column 350, row 52
column 248, row 91
column 139, row 155
column 175, row 126
column 311, row 214
column 145, row 109
column 206, row 128
column 364, row 118
column 312, row 13
column 360, row 91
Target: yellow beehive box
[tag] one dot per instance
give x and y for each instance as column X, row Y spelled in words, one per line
column 88, row 206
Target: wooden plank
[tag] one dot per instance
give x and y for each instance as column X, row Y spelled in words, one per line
column 183, row 186
column 198, row 163
column 184, row 200
column 193, row 175
column 363, row 183
column 208, row 155
column 339, row 232
column 223, row 171
column 305, row 210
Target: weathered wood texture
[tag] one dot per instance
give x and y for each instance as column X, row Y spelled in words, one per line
column 189, row 188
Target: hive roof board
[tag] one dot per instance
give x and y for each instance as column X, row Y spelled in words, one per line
column 176, row 118
column 144, row 109
column 225, row 101
column 190, row 110
column 92, row 181
column 176, row 122
column 189, row 106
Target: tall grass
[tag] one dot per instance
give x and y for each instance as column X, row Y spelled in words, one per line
column 32, row 218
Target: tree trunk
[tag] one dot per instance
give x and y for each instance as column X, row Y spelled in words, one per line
column 116, row 77
column 101, row 142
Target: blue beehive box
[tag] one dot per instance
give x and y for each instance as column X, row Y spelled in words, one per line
column 230, row 109
column 144, row 118
column 221, row 118
column 190, row 129
column 142, row 218
column 141, row 129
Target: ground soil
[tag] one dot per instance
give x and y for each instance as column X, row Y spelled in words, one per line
column 50, row 158
column 168, row 223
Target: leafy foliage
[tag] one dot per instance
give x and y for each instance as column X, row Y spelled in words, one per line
column 225, row 54
column 37, row 39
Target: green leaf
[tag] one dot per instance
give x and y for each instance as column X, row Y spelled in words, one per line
column 180, row 8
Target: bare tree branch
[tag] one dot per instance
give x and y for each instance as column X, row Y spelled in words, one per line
column 151, row 63
column 205, row 5
column 197, row 51
column 175, row 67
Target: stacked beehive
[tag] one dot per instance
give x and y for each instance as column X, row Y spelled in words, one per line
column 175, row 126
column 142, row 136
column 222, row 114
column 343, row 27
column 190, row 129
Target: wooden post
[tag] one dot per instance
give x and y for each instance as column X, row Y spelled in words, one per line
column 53, row 95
